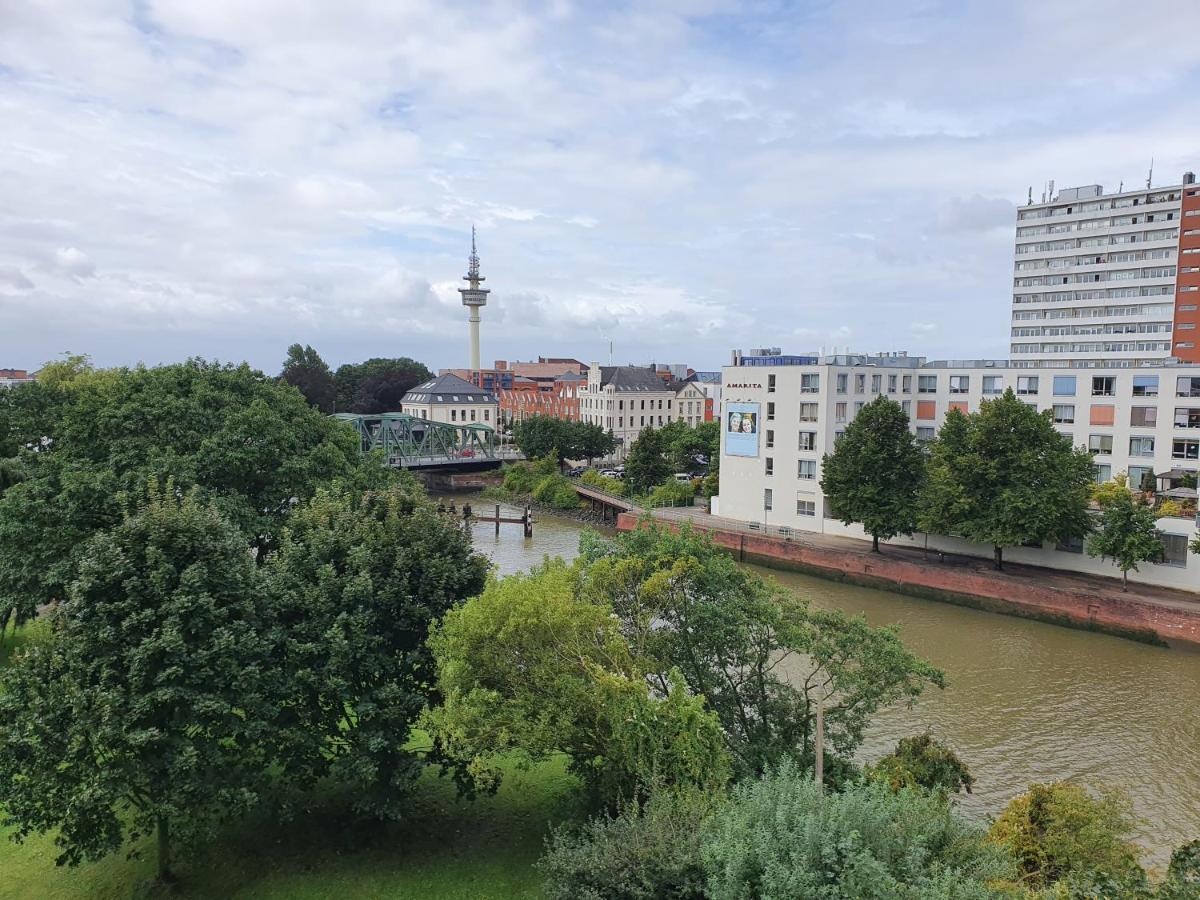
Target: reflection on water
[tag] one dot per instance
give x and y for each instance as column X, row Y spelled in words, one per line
column 1025, row 702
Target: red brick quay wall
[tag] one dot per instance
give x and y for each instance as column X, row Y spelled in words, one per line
column 1080, row 605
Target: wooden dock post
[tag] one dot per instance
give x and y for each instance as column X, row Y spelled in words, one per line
column 497, row 520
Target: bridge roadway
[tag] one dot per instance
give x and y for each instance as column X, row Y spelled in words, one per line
column 608, row 505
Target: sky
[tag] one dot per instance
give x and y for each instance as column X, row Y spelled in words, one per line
column 674, row 179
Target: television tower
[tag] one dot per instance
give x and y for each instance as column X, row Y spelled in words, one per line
column 473, row 298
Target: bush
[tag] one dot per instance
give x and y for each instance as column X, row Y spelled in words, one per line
column 777, row 837
column 923, row 762
column 1060, row 831
column 647, row 852
column 673, row 493
column 1168, row 508
column 594, row 479
column 556, row 491
column 519, row 478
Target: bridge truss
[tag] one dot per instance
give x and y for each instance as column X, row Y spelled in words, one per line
column 409, row 441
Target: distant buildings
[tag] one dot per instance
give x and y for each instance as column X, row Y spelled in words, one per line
column 12, row 377
column 448, row 398
column 1108, row 280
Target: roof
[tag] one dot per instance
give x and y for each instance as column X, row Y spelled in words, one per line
column 544, row 369
column 448, row 389
column 571, row 376
column 632, row 379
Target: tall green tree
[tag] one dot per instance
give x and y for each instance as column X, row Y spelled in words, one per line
column 541, row 436
column 375, row 385
column 1127, row 534
column 354, row 587
column 646, row 466
column 146, row 712
column 875, row 472
column 308, row 373
column 762, row 658
column 252, row 446
column 1004, row 476
column 692, row 449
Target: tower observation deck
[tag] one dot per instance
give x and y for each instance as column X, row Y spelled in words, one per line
column 474, row 297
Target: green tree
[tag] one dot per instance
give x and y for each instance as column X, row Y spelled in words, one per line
column 354, row 587
column 1105, row 492
column 539, row 436
column 1003, row 476
column 592, row 441
column 759, row 656
column 1059, row 831
column 147, row 710
column 646, row 465
column 252, row 446
column 376, row 385
column 1127, row 534
column 778, row 836
column 528, row 669
column 307, row 372
column 692, row 449
column 923, row 762
column 875, row 472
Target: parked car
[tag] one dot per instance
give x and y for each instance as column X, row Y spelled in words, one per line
column 611, row 473
column 683, row 476
column 576, row 471
column 620, row 470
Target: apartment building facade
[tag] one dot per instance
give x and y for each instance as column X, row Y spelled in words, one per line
column 1135, row 420
column 450, row 399
column 627, row 399
column 1107, row 280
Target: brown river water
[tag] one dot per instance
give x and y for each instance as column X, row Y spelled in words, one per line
column 1025, row 701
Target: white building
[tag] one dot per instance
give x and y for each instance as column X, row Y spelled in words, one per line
column 451, row 399
column 1107, row 279
column 1140, row 420
column 627, row 399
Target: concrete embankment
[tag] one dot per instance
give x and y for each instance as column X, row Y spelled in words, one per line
column 1098, row 604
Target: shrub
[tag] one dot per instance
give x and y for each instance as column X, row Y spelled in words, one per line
column 652, row 851
column 595, row 479
column 673, row 493
column 778, row 837
column 1060, row 831
column 1168, row 508
column 923, row 762
column 556, row 491
column 519, row 478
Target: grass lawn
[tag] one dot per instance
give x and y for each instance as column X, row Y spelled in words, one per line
column 448, row 848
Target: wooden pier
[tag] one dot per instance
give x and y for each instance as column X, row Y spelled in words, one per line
column 525, row 520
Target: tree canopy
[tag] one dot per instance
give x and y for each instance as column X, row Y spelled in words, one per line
column 377, row 384
column 1127, row 533
column 875, row 472
column 147, row 710
column 1004, row 476
column 540, row 436
column 646, row 465
column 692, row 449
column 307, row 372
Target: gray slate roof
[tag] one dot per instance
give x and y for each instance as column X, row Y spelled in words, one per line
column 448, row 389
column 632, row 379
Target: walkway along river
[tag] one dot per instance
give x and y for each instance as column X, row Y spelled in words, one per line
column 1026, row 701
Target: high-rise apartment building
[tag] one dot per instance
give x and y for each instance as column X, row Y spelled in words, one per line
column 1108, row 280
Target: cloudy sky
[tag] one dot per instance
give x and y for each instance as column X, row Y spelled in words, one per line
column 223, row 178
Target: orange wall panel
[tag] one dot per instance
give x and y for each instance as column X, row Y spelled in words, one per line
column 1102, row 414
column 926, row 409
column 960, row 405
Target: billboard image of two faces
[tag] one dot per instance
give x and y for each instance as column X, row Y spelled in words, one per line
column 741, row 429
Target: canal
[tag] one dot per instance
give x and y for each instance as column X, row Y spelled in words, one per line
column 1025, row 701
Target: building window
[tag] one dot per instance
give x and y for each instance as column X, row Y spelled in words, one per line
column 1187, row 417
column 1102, row 472
column 1027, row 384
column 926, row 409
column 876, row 383
column 858, row 405
column 1139, row 446
column 770, row 412
column 770, row 438
column 806, row 468
column 1070, row 545
column 1174, row 549
column 906, row 384
column 770, row 384
column 1143, row 416
column 808, row 440
column 810, row 384
column 1187, row 387
column 1185, row 449
column 1101, row 444
column 487, row 415
column 960, row 384
column 839, row 412
column 806, row 507
column 768, row 498
column 993, row 384
column 924, row 434
column 454, row 415
column 1064, row 413
column 842, row 381
column 770, row 465
column 1064, row 385
column 1145, row 385
column 891, row 384
column 1104, row 386
column 808, row 412
column 906, row 405
column 926, row 384
column 1102, row 414
column 860, row 384
column 1137, row 478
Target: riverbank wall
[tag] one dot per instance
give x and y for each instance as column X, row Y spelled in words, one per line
column 1026, row 591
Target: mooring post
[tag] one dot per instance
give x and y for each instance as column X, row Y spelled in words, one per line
column 497, row 520
column 528, row 521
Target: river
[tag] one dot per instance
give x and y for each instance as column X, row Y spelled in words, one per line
column 1025, row 701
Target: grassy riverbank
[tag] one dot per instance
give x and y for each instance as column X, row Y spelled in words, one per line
column 449, row 849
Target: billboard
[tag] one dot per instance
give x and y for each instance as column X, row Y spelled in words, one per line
column 742, row 422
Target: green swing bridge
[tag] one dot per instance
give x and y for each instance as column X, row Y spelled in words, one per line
column 413, row 443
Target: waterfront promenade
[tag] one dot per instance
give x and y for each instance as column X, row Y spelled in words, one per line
column 1146, row 613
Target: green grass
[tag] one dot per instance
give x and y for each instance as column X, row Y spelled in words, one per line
column 447, row 849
